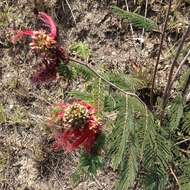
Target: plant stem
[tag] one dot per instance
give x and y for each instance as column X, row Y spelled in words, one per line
column 187, row 84
column 180, row 142
column 184, row 92
column 179, row 68
column 107, row 81
column 175, row 177
column 145, row 14
column 131, row 27
column 159, row 53
column 167, row 88
column 74, row 19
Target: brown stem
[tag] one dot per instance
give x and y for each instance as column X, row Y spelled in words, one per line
column 179, row 68
column 159, row 53
column 107, row 81
column 167, row 88
column 175, row 177
column 131, row 27
column 187, row 84
column 145, row 14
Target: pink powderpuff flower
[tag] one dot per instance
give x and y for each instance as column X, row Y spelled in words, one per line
column 50, row 23
column 46, row 45
column 80, row 127
column 48, row 70
column 20, row 34
column 39, row 36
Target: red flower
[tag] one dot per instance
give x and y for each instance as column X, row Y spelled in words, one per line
column 39, row 35
column 79, row 124
column 50, row 23
column 47, row 71
column 47, row 47
column 20, row 34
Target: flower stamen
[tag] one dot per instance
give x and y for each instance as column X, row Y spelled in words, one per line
column 42, row 41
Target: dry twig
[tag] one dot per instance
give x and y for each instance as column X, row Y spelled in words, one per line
column 179, row 68
column 160, row 50
column 168, row 85
column 74, row 19
column 175, row 177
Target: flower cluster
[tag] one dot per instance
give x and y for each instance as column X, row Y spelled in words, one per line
column 42, row 41
column 45, row 45
column 79, row 126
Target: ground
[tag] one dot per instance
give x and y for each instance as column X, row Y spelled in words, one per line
column 27, row 161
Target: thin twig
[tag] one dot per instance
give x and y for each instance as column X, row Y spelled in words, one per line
column 59, row 182
column 186, row 86
column 180, row 142
column 175, row 177
column 71, row 11
column 131, row 27
column 97, row 182
column 107, row 81
column 132, row 33
column 145, row 14
column 167, row 88
column 184, row 151
column 160, row 50
column 179, row 68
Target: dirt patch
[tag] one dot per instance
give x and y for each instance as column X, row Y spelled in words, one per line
column 28, row 162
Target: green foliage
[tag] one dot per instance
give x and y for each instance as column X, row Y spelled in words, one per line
column 65, row 70
column 176, row 112
column 140, row 150
column 81, row 71
column 81, row 49
column 185, row 124
column 183, row 80
column 126, row 148
column 135, row 19
column 93, row 94
column 118, row 152
column 135, row 142
column 129, row 174
column 134, row 138
column 98, row 95
column 180, row 138
column 89, row 164
column 156, row 158
column 184, row 179
column 85, row 96
column 125, row 82
column 73, row 71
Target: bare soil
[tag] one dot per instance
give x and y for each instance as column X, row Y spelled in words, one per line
column 27, row 161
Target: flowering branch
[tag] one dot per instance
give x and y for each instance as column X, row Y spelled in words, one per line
column 79, row 126
column 47, row 47
column 107, row 81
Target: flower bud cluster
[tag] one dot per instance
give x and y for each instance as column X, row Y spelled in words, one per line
column 79, row 126
column 42, row 41
column 76, row 115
